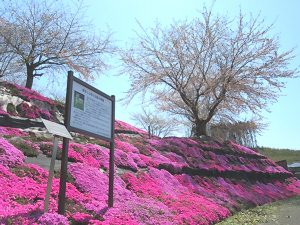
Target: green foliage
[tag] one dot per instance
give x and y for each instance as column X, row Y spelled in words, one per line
column 60, row 107
column 11, row 109
column 38, row 139
column 25, row 147
column 280, row 154
column 13, row 90
column 14, row 220
column 262, row 214
column 79, row 138
column 47, row 148
column 22, row 200
column 73, row 206
column 24, row 171
column 70, row 179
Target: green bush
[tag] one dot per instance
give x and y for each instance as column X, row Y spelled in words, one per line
column 29, row 149
column 11, row 109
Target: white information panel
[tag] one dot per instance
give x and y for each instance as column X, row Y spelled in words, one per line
column 57, row 129
column 90, row 111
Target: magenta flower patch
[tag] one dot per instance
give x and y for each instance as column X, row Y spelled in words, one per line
column 158, row 181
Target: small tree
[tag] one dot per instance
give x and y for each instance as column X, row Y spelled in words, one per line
column 209, row 67
column 158, row 125
column 40, row 36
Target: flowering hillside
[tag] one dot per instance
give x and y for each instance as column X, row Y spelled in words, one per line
column 158, row 181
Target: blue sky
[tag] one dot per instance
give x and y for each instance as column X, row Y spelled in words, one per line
column 121, row 16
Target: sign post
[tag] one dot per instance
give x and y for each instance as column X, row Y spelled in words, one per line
column 51, row 173
column 91, row 112
column 57, row 130
column 111, row 158
column 64, row 152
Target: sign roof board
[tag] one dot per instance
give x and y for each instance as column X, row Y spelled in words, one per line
column 57, row 129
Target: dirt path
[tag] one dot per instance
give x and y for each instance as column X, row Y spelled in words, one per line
column 286, row 213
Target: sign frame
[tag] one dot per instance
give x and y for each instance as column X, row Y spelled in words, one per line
column 71, row 80
column 65, row 147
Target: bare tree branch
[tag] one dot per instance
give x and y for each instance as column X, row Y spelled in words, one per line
column 42, row 35
column 210, row 67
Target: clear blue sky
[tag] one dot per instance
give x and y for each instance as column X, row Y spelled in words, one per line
column 121, row 15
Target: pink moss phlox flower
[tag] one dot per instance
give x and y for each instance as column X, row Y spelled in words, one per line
column 53, row 219
column 92, row 180
column 126, row 147
column 116, row 218
column 46, row 114
column 35, row 147
column 99, row 153
column 143, row 185
column 28, row 94
column 158, row 159
column 89, row 179
column 160, row 184
column 19, row 196
column 81, row 218
column 32, row 112
column 122, row 126
column 123, row 160
column 240, row 148
column 9, row 131
column 166, row 182
column 176, row 158
column 10, row 156
column 137, row 158
column 141, row 211
column 3, row 112
column 27, row 111
column 150, row 187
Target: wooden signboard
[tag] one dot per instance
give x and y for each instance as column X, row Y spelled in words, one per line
column 91, row 112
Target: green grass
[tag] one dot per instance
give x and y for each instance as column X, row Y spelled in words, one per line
column 280, row 154
column 260, row 214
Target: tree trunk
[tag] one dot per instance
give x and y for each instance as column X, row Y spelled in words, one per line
column 200, row 128
column 29, row 80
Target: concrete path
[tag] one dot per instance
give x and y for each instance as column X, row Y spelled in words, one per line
column 43, row 161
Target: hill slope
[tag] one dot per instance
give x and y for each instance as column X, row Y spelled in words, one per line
column 158, row 181
column 290, row 156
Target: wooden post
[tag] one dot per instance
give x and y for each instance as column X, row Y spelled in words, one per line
column 149, row 132
column 112, row 158
column 64, row 156
column 51, row 174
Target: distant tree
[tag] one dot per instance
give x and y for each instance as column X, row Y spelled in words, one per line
column 208, row 67
column 159, row 126
column 242, row 132
column 5, row 60
column 41, row 35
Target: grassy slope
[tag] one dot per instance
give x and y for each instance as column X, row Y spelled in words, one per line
column 268, row 213
column 281, row 154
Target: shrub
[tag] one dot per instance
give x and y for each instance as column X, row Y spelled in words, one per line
column 25, row 110
column 28, row 148
column 11, row 109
